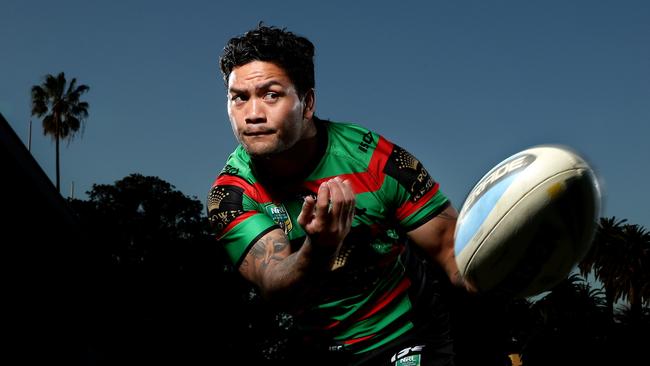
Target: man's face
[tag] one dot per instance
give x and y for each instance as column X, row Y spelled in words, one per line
column 266, row 114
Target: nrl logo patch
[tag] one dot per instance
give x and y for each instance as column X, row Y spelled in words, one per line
column 281, row 217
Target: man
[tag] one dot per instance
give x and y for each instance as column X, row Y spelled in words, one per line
column 330, row 220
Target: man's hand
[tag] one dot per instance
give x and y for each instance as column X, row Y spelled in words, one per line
column 327, row 219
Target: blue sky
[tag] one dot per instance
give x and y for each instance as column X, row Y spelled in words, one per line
column 461, row 84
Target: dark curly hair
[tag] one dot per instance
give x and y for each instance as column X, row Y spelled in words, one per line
column 294, row 54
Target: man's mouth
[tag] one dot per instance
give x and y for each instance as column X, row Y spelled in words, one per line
column 258, row 132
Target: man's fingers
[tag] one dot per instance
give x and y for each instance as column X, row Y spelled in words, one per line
column 334, row 205
column 307, row 211
column 350, row 199
column 323, row 202
column 336, row 198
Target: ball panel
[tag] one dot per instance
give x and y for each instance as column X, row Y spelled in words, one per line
column 474, row 218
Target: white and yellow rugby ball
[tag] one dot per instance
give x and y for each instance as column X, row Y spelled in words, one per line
column 528, row 221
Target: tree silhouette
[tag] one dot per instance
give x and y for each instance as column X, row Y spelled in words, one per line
column 160, row 288
column 164, row 289
column 571, row 327
column 620, row 260
column 633, row 283
column 577, row 325
column 604, row 258
column 62, row 110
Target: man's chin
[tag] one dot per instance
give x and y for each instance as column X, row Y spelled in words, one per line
column 259, row 152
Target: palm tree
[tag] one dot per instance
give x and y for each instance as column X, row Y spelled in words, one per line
column 604, row 258
column 62, row 112
column 569, row 318
column 620, row 259
column 634, row 281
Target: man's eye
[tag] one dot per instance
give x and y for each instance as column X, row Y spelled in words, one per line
column 237, row 98
column 271, row 96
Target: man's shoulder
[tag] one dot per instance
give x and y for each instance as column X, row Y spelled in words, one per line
column 345, row 128
column 352, row 138
column 236, row 169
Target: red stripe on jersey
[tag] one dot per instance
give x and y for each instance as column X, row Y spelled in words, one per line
column 231, row 180
column 382, row 301
column 356, row 340
column 388, row 297
column 380, row 157
column 368, row 181
column 409, row 207
column 236, row 221
column 255, row 191
column 262, row 194
column 332, row 325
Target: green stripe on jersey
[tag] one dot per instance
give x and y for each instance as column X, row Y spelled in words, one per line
column 238, row 164
column 347, row 151
column 405, row 328
column 369, row 326
column 352, row 304
column 416, row 218
column 240, row 236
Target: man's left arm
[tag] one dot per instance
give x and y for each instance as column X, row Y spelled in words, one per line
column 436, row 237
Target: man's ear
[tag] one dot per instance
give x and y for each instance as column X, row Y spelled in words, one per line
column 309, row 104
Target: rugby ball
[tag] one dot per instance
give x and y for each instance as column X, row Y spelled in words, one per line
column 528, row 222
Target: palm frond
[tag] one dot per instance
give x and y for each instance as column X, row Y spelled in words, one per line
column 71, row 127
column 83, row 88
column 52, row 87
column 80, row 110
column 71, row 86
column 39, row 101
column 49, row 126
column 60, row 83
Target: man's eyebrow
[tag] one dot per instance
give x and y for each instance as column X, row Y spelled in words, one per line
column 262, row 86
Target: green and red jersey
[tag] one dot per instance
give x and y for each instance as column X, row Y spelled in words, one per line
column 364, row 302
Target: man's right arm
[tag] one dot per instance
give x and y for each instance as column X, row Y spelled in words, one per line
column 271, row 266
column 281, row 275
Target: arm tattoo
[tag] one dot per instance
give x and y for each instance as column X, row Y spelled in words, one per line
column 268, row 248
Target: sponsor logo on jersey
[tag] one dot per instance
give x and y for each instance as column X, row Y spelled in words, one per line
column 409, row 356
column 230, row 170
column 366, row 140
column 281, row 217
column 224, row 205
column 409, row 172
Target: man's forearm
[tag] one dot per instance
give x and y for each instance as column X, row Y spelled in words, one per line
column 285, row 279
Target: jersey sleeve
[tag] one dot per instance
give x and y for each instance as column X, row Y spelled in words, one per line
column 234, row 216
column 410, row 190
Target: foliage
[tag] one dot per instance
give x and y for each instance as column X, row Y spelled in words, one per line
column 60, row 106
column 620, row 260
column 571, row 317
column 161, row 290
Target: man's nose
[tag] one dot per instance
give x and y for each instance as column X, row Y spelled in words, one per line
column 255, row 112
